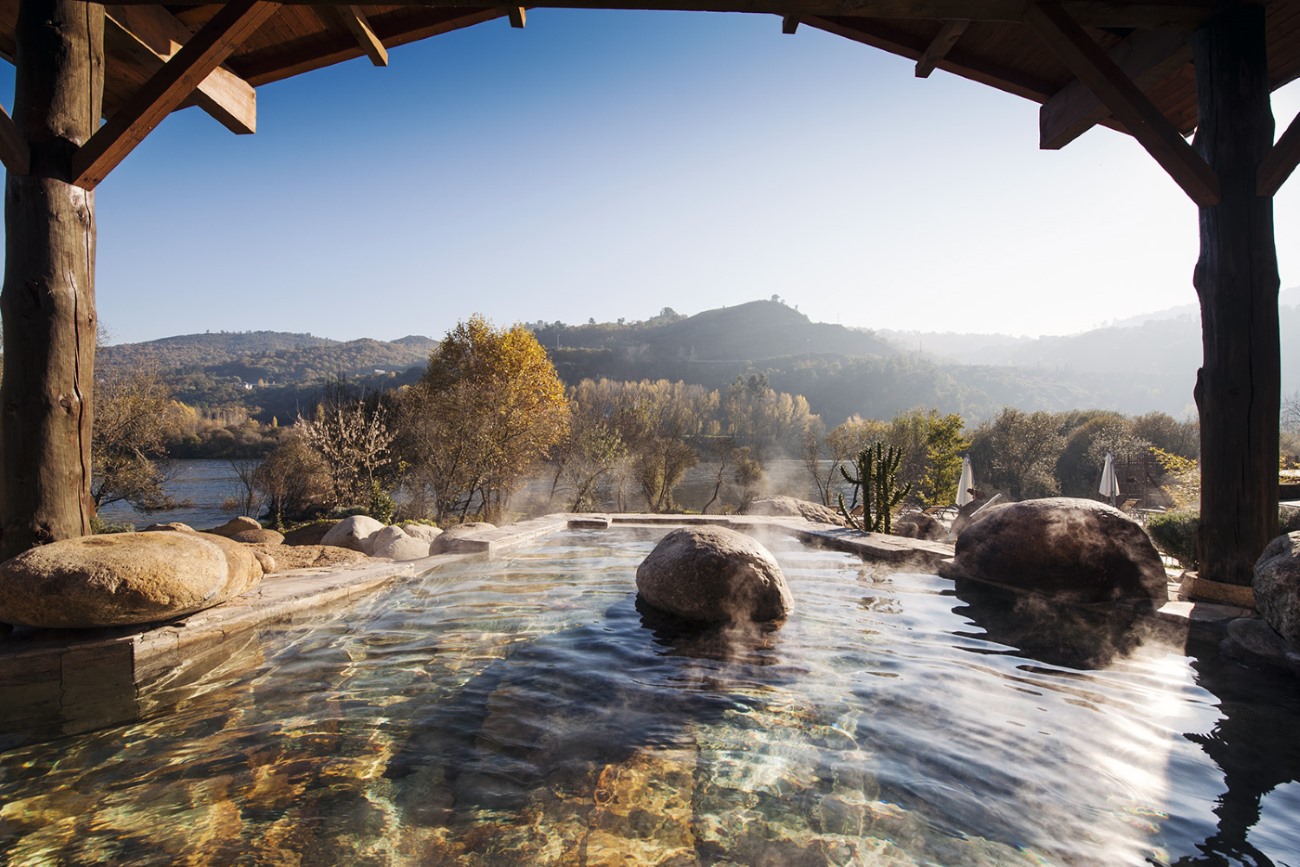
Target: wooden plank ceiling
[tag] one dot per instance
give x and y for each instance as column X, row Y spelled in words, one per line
column 1121, row 63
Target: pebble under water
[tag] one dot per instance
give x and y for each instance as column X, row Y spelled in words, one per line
column 524, row 711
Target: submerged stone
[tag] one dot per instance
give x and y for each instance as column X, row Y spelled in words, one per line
column 714, row 574
column 123, row 579
column 1073, row 548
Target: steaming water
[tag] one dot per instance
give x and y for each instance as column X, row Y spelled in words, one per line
column 207, row 493
column 520, row 711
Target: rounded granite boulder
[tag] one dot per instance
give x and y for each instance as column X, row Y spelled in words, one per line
column 1071, row 548
column 260, row 536
column 354, row 533
column 234, row 526
column 123, row 579
column 393, row 543
column 714, row 575
column 1277, row 586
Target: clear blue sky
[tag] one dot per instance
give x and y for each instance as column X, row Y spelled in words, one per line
column 609, row 164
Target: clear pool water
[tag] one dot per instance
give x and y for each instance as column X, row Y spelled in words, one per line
column 523, row 711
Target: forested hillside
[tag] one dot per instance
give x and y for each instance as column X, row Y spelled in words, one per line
column 1129, row 368
column 271, row 374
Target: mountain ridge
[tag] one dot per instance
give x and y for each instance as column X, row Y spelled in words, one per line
column 1149, row 366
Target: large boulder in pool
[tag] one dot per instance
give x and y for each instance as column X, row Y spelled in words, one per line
column 123, row 579
column 1077, row 549
column 1277, row 586
column 713, row 575
column 354, row 533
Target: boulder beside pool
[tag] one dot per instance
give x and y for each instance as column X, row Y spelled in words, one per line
column 714, row 575
column 356, row 533
column 1072, row 548
column 122, row 579
column 1277, row 587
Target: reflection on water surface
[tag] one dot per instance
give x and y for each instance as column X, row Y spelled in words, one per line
column 524, row 711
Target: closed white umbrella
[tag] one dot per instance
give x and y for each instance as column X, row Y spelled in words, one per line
column 967, row 482
column 1109, row 482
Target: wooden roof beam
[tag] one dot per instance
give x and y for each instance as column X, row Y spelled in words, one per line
column 880, row 35
column 354, row 19
column 1280, row 162
column 167, row 89
column 159, row 34
column 789, row 24
column 1084, row 57
column 938, row 49
column 517, row 16
column 1138, row 14
column 15, row 153
column 1147, row 57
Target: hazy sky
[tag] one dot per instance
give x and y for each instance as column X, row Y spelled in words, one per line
column 609, row 164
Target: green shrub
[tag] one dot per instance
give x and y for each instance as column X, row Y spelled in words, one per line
column 1174, row 533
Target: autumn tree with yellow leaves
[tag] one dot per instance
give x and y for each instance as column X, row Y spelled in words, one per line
column 488, row 409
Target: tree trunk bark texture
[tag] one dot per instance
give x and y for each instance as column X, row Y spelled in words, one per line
column 48, row 299
column 1238, row 386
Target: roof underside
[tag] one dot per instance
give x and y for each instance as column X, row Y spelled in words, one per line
column 1000, row 43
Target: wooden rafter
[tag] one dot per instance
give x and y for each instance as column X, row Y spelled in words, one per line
column 517, row 16
column 1147, row 57
column 939, row 47
column 354, row 19
column 315, row 55
column 1155, row 14
column 1085, row 58
column 789, row 24
column 880, row 35
column 159, row 35
column 1280, row 162
column 14, row 151
column 167, row 89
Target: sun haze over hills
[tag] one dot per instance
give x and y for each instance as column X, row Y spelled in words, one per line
column 1132, row 368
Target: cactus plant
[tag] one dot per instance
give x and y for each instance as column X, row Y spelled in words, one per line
column 877, row 482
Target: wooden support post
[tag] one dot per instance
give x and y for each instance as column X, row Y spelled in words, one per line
column 48, row 300
column 1238, row 387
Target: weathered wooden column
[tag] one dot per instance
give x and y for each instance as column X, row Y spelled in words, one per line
column 48, row 300
column 1237, row 388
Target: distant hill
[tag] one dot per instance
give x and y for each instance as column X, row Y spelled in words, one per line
column 751, row 332
column 1145, row 360
column 272, row 374
column 1147, row 365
